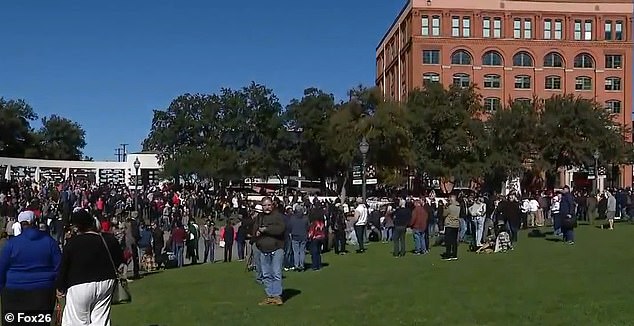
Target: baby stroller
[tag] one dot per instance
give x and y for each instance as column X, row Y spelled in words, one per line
column 168, row 259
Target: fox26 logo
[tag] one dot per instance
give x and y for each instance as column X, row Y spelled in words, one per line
column 27, row 318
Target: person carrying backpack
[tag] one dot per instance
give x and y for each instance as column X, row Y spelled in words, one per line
column 316, row 236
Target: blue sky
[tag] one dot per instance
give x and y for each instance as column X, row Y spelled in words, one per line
column 108, row 64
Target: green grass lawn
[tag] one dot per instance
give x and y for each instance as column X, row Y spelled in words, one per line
column 541, row 282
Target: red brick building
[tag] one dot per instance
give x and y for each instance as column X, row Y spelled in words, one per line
column 514, row 49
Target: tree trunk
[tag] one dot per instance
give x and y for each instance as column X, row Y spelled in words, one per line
column 342, row 192
column 282, row 184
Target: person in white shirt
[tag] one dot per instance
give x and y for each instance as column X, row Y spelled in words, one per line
column 17, row 227
column 533, row 207
column 525, row 209
column 361, row 218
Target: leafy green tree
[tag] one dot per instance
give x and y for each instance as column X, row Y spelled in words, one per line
column 183, row 134
column 572, row 128
column 348, row 124
column 448, row 133
column 225, row 136
column 60, row 138
column 309, row 119
column 390, row 142
column 254, row 133
column 16, row 133
column 512, row 141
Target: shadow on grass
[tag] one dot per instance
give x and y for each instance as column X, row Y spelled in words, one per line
column 554, row 239
column 308, row 266
column 288, row 294
column 536, row 234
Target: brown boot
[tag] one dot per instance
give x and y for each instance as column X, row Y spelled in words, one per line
column 277, row 301
column 266, row 302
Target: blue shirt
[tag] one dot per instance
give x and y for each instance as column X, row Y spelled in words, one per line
column 29, row 261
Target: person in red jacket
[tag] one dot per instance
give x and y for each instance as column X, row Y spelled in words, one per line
column 178, row 243
column 418, row 224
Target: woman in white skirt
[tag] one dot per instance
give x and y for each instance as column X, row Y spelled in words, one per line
column 86, row 276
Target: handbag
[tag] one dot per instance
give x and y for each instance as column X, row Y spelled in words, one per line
column 121, row 293
column 57, row 314
column 221, row 243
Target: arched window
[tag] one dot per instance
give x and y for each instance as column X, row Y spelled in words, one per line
column 522, row 59
column 552, row 82
column 492, row 81
column 431, row 77
column 492, row 58
column 614, row 106
column 492, row 104
column 522, row 82
column 583, row 83
column 461, row 57
column 613, row 84
column 553, row 60
column 523, row 100
column 461, row 80
column 584, row 60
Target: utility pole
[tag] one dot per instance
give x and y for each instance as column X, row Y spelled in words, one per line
column 117, row 153
column 125, row 153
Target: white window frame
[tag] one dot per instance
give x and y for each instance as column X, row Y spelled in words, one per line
column 578, row 29
column 607, row 30
column 618, row 31
column 611, row 61
column 455, row 26
column 552, row 79
column 611, row 84
column 580, row 81
column 559, row 26
column 587, row 30
column 548, row 26
column 486, row 27
column 517, row 28
column 497, row 27
column 522, row 79
column 609, row 104
column 431, row 77
column 466, row 26
column 491, row 79
column 528, row 28
column 494, row 101
column 435, row 25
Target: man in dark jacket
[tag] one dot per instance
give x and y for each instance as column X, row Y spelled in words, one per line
column 270, row 242
column 510, row 213
column 567, row 213
column 402, row 217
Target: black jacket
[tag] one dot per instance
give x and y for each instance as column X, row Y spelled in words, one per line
column 272, row 238
column 402, row 216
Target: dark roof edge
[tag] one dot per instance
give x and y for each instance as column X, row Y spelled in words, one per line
column 393, row 23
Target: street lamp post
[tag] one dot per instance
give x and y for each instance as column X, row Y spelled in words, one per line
column 595, row 155
column 137, row 165
column 364, row 147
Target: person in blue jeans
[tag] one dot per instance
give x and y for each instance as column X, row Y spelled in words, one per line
column 298, row 227
column 316, row 235
column 270, row 240
column 418, row 224
column 288, row 243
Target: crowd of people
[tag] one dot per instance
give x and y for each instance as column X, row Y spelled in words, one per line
column 97, row 232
